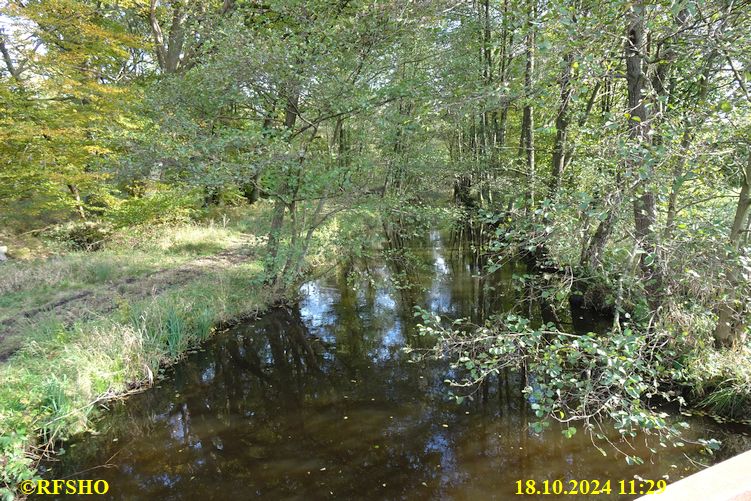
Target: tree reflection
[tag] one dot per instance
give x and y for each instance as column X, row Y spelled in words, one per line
column 321, row 399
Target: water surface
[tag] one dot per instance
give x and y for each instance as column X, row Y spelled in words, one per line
column 320, row 402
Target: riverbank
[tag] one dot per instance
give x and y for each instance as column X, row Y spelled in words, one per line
column 711, row 379
column 82, row 328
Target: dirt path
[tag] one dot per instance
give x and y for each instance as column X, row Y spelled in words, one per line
column 103, row 299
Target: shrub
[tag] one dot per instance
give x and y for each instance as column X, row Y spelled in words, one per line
column 84, row 235
column 721, row 381
column 174, row 206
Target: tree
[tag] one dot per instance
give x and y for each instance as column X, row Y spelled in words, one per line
column 64, row 59
column 638, row 163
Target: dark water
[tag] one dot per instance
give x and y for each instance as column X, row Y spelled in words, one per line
column 321, row 403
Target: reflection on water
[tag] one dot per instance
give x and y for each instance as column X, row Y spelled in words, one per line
column 320, row 402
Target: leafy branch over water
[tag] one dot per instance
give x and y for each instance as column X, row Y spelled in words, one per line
column 617, row 381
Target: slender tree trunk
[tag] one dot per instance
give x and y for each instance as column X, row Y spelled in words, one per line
column 644, row 204
column 487, row 116
column 561, row 129
column 730, row 329
column 590, row 103
column 77, row 198
column 280, row 205
column 504, row 61
column 309, row 236
column 744, row 203
column 592, row 255
column 606, row 101
column 528, row 124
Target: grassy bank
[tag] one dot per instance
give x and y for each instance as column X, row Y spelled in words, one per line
column 71, row 358
column 32, row 284
column 720, row 382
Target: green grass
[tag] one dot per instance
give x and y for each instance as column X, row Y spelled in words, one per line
column 51, row 386
column 721, row 381
column 29, row 284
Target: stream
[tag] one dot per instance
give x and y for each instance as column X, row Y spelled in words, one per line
column 321, row 402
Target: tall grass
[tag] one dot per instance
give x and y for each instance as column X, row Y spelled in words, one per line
column 721, row 381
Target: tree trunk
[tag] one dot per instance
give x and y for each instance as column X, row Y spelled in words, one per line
column 280, row 205
column 528, row 121
column 730, row 329
column 592, row 255
column 77, row 197
column 645, row 213
column 250, row 190
column 561, row 129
